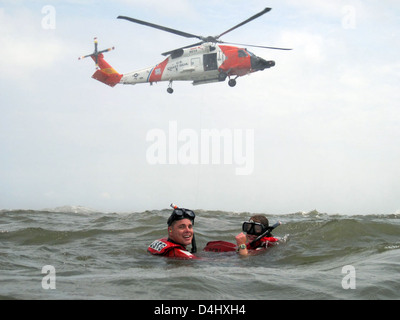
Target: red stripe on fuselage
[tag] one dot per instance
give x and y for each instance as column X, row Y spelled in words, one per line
column 233, row 64
column 158, row 70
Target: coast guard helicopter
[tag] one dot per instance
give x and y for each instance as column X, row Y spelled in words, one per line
column 207, row 61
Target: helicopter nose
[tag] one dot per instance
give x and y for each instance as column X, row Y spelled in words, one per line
column 258, row 63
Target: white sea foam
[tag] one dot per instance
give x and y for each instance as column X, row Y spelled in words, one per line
column 73, row 209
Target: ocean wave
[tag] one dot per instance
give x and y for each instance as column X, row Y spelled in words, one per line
column 78, row 209
column 72, row 209
column 106, row 251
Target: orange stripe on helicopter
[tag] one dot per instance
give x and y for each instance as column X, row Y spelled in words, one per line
column 234, row 63
column 104, row 65
column 106, row 74
column 158, row 71
column 109, row 70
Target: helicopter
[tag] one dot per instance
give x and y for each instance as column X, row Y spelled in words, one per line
column 210, row 60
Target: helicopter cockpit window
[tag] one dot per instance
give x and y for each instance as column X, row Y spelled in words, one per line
column 242, row 54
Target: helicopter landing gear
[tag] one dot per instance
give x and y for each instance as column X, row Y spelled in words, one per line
column 232, row 82
column 169, row 89
column 222, row 76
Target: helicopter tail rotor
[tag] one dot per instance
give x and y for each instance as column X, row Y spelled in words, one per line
column 105, row 72
column 96, row 53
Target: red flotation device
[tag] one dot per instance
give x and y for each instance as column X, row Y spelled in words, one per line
column 225, row 246
column 164, row 247
column 220, row 246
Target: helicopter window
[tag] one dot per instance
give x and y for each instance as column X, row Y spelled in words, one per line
column 177, row 53
column 210, row 62
column 242, row 54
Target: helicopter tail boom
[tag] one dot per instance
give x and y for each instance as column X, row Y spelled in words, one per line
column 106, row 74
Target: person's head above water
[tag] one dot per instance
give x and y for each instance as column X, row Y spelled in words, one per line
column 179, row 214
column 256, row 233
column 256, row 226
column 180, row 227
column 180, row 234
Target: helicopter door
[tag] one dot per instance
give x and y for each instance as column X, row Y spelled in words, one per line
column 210, row 62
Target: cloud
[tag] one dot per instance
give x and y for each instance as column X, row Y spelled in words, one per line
column 171, row 8
column 26, row 47
column 325, row 118
column 309, row 45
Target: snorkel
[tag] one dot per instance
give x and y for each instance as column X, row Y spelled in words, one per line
column 267, row 232
column 181, row 213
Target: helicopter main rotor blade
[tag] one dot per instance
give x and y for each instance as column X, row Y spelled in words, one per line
column 255, row 46
column 244, row 22
column 152, row 25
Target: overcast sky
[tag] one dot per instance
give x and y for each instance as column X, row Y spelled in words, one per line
column 325, row 120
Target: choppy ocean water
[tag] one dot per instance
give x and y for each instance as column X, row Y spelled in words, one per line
column 96, row 255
